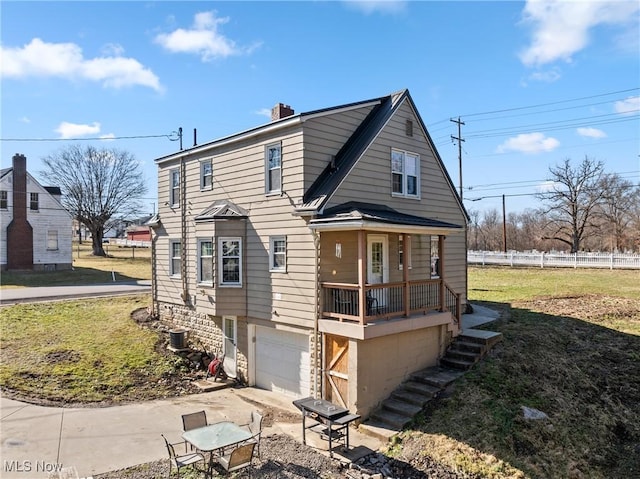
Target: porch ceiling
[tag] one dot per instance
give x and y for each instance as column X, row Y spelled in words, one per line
column 367, row 216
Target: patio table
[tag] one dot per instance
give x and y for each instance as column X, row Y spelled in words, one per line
column 216, row 436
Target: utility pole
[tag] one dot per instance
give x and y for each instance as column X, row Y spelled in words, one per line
column 460, row 140
column 504, row 226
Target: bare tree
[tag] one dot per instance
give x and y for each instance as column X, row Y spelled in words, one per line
column 619, row 199
column 96, row 185
column 571, row 202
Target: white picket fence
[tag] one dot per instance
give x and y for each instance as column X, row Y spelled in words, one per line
column 556, row 260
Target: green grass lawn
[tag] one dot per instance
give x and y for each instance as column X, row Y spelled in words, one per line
column 571, row 349
column 83, row 351
column 125, row 264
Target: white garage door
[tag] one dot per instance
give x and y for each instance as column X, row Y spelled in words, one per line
column 283, row 362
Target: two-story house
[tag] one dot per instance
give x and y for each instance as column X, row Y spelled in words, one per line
column 35, row 229
column 323, row 253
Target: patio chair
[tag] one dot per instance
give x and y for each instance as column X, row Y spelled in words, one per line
column 239, row 458
column 192, row 421
column 255, row 428
column 184, row 460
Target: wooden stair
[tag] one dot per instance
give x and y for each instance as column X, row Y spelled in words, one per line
column 424, row 386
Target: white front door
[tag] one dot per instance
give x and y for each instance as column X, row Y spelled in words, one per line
column 229, row 345
column 378, row 265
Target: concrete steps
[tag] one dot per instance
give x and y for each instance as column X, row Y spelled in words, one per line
column 413, row 395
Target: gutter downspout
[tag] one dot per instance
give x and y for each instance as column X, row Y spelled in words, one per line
column 183, row 231
column 318, row 343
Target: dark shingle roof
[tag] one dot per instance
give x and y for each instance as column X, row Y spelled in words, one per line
column 354, row 210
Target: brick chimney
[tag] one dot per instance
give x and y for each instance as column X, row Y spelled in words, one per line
column 19, row 231
column 281, row 111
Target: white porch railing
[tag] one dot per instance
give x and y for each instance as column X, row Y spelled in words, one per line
column 555, row 260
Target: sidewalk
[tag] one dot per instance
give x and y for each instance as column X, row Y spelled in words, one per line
column 36, row 440
column 53, row 293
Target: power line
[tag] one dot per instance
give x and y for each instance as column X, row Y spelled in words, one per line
column 172, row 137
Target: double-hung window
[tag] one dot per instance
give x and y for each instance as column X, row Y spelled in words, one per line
column 4, row 200
column 206, row 175
column 277, row 253
column 230, row 261
column 405, row 168
column 175, row 258
column 34, row 202
column 205, row 261
column 174, row 188
column 273, row 167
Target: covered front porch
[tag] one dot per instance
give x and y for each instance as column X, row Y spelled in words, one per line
column 377, row 265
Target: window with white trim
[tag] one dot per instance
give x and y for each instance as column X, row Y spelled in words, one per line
column 52, row 239
column 174, row 188
column 206, row 175
column 175, row 258
column 4, row 200
column 34, row 202
column 405, row 176
column 205, row 261
column 278, row 253
column 230, row 261
column 273, row 168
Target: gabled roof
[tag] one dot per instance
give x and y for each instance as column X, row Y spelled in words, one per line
column 366, row 215
column 5, row 171
column 323, row 188
column 222, row 209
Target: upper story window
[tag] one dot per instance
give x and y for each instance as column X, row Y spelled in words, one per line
column 405, row 173
column 273, row 166
column 175, row 258
column 205, row 261
column 206, row 175
column 174, row 187
column 4, row 200
column 277, row 253
column 230, row 261
column 52, row 239
column 34, row 202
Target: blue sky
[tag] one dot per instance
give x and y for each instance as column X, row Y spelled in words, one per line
column 534, row 82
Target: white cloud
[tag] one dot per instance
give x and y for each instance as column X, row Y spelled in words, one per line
column 377, row 6
column 529, row 143
column 264, row 112
column 203, row 39
column 591, row 132
column 561, row 28
column 546, row 186
column 74, row 130
column 548, row 76
column 65, row 60
column 25, row 119
column 628, row 106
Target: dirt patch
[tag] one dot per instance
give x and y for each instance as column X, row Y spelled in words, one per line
column 590, row 307
column 62, row 356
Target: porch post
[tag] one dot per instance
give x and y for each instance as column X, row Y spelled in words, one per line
column 362, row 248
column 406, row 240
column 441, row 269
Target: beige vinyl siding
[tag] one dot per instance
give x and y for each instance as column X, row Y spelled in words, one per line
column 325, row 135
column 238, row 176
column 370, row 181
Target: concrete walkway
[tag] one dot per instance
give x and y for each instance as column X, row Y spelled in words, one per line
column 86, row 441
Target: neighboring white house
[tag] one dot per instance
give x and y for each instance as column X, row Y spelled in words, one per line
column 35, row 229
